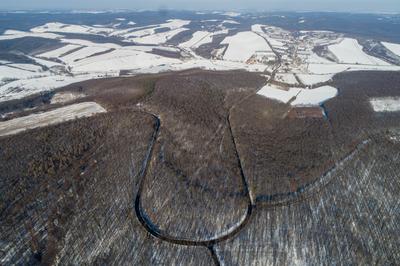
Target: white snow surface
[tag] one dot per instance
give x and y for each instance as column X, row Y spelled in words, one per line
column 286, row 78
column 90, row 43
column 60, row 51
column 198, row 38
column 257, row 28
column 386, row 104
column 158, row 38
column 231, row 14
column 315, row 96
column 393, row 47
column 243, row 45
column 86, row 62
column 172, row 24
column 82, row 53
column 276, row 93
column 7, row 72
column 350, row 51
column 44, row 62
column 316, row 59
column 25, row 87
column 15, row 34
column 70, row 28
column 299, row 96
column 52, row 117
column 28, row 67
column 201, row 37
column 230, row 21
column 175, row 23
column 63, row 97
column 310, row 79
column 121, row 59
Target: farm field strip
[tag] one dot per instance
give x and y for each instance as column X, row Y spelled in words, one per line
column 52, row 117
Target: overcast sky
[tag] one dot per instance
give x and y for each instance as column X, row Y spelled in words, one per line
column 262, row 5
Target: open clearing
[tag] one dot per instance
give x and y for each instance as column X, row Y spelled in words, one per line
column 386, row 104
column 55, row 116
column 63, row 97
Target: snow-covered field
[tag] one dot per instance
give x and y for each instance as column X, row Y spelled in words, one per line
column 198, row 38
column 158, row 38
column 386, row 104
column 286, row 78
column 68, row 28
column 310, row 79
column 52, row 117
column 298, row 96
column 243, row 45
column 121, row 59
column 139, row 49
column 25, row 87
column 12, row 72
column 350, row 51
column 315, row 96
column 279, row 94
column 393, row 47
column 14, row 34
column 82, row 53
column 59, row 52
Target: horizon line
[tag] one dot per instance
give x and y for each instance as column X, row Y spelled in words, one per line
column 206, row 11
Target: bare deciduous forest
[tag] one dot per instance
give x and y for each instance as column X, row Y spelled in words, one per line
column 194, row 168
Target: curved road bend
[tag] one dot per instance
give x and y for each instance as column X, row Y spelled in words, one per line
column 153, row 230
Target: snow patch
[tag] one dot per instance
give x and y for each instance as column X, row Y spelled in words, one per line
column 230, row 21
column 63, row 97
column 52, row 117
column 231, row 14
column 385, row 104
